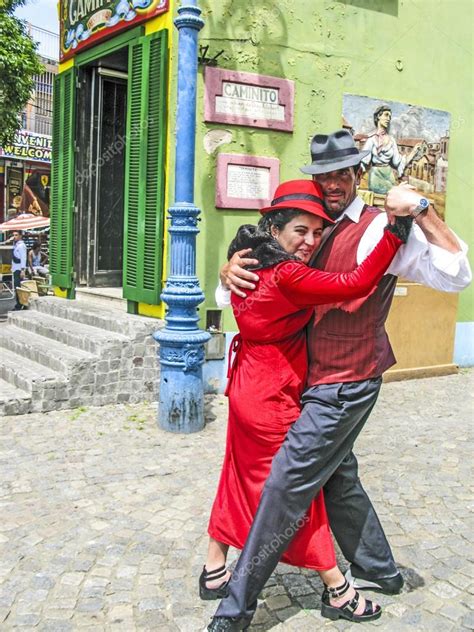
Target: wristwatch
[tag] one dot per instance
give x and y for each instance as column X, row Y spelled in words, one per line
column 420, row 208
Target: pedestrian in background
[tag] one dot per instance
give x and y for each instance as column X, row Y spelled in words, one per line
column 18, row 262
column 37, row 260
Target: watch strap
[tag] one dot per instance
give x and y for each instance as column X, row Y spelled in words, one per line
column 419, row 210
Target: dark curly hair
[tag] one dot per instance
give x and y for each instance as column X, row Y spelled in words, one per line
column 264, row 246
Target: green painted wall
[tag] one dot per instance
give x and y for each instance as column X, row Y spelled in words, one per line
column 329, row 47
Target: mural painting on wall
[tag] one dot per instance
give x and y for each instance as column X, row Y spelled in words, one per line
column 407, row 143
column 86, row 22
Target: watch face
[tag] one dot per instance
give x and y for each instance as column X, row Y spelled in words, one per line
column 423, row 203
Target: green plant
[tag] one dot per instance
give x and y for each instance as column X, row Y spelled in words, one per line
column 77, row 413
column 139, row 421
column 19, row 64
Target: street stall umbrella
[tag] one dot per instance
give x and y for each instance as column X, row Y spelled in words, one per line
column 25, row 221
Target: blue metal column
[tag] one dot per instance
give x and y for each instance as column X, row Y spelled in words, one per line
column 181, row 406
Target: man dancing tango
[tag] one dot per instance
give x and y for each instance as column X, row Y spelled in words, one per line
column 348, row 350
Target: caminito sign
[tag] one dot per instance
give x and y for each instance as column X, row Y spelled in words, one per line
column 28, row 146
column 246, row 100
column 243, row 98
column 86, row 22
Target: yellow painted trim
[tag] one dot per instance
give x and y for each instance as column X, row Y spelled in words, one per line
column 60, row 293
column 155, row 311
column 164, row 21
column 69, row 63
column 169, row 146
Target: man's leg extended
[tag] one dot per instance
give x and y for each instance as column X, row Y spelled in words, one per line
column 331, row 419
column 356, row 526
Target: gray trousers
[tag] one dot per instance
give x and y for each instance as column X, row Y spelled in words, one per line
column 317, row 452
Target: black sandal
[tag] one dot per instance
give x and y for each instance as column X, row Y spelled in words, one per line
column 348, row 608
column 208, row 576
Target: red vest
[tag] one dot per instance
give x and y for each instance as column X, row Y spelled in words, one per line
column 350, row 344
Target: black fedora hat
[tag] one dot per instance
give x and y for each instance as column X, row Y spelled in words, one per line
column 330, row 152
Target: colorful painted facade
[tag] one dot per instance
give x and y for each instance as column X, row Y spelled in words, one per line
column 113, row 176
column 110, row 149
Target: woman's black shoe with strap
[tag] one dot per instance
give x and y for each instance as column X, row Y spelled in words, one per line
column 348, row 608
column 220, row 591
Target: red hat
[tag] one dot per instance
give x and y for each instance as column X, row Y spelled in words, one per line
column 304, row 195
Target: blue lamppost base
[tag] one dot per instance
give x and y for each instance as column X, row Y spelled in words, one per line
column 181, row 403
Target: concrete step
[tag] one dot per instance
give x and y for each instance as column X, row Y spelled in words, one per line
column 13, row 400
column 28, row 375
column 106, row 297
column 45, row 351
column 65, row 354
column 87, row 313
column 68, row 332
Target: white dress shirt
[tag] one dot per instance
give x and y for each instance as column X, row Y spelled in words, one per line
column 417, row 260
column 19, row 251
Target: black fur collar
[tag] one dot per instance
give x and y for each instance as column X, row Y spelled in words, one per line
column 264, row 247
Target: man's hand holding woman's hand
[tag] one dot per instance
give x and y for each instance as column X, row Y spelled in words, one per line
column 401, row 200
column 234, row 275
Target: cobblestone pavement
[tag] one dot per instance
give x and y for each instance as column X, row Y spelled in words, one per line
column 103, row 517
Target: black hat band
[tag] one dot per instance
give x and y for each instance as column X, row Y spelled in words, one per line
column 338, row 153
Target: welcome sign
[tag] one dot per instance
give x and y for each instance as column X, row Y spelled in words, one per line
column 86, row 22
column 29, row 146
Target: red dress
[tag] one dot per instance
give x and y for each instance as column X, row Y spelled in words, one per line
column 266, row 380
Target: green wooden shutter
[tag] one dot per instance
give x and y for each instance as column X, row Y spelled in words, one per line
column 144, row 169
column 62, row 180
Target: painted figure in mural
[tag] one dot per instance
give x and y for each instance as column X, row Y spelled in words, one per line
column 382, row 156
column 348, row 352
column 272, row 333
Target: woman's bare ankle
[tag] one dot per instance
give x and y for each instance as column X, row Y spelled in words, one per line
column 337, row 602
column 216, row 554
column 333, row 578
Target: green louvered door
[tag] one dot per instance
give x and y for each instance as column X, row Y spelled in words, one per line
column 144, row 169
column 62, row 181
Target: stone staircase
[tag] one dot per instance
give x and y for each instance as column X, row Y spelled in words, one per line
column 64, row 354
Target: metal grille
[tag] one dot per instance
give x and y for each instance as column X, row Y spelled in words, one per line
column 48, row 42
column 37, row 116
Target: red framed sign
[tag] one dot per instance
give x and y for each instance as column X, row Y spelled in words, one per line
column 84, row 23
column 246, row 182
column 244, row 98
